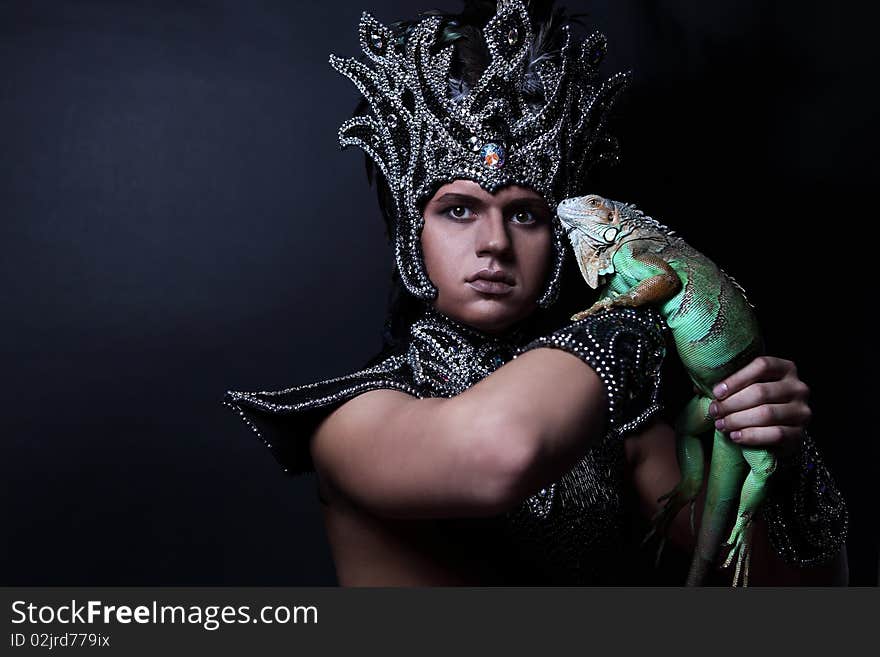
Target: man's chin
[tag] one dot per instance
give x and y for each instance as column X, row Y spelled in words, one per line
column 493, row 315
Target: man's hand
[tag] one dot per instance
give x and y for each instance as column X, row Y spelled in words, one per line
column 763, row 405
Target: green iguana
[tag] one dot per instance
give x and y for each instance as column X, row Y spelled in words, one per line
column 641, row 261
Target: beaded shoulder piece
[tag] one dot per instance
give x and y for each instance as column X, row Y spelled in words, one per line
column 442, row 359
column 284, row 419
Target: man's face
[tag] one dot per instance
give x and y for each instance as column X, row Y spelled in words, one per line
column 468, row 230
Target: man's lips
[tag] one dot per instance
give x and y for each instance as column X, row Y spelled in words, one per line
column 490, row 287
column 491, row 281
column 491, row 275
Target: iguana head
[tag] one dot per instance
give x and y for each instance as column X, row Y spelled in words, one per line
column 594, row 226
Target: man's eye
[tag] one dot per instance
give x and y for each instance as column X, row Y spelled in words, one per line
column 457, row 212
column 524, row 217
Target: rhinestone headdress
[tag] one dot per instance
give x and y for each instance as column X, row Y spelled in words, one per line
column 536, row 121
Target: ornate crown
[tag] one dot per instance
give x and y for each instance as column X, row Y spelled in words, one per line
column 535, row 119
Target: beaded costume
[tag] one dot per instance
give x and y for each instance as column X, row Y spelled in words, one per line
column 536, row 117
column 567, row 531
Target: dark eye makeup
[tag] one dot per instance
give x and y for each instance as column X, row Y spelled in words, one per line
column 454, row 212
column 457, row 213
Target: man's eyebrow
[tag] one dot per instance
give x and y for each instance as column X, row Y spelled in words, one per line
column 454, row 197
column 460, row 198
column 528, row 201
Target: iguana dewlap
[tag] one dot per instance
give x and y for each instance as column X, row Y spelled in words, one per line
column 639, row 261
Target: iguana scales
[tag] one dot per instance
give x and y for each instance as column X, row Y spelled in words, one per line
column 639, row 261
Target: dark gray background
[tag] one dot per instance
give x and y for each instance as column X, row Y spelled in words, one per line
column 177, row 220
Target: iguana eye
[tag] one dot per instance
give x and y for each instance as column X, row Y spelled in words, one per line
column 594, row 202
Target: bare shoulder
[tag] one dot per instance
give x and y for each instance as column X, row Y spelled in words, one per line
column 365, row 407
column 359, row 416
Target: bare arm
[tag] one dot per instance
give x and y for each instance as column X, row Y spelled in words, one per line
column 478, row 453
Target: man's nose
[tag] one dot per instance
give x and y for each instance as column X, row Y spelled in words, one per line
column 492, row 235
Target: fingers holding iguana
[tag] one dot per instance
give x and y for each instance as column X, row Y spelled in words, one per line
column 766, row 405
column 761, row 369
column 796, row 414
column 781, row 439
column 786, row 391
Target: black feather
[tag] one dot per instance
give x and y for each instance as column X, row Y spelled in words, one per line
column 472, row 55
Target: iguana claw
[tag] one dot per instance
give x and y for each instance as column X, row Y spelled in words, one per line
column 662, row 520
column 740, row 544
column 599, row 306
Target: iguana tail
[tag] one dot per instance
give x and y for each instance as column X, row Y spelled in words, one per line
column 727, row 472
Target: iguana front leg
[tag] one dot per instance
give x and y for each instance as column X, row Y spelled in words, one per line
column 654, row 289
